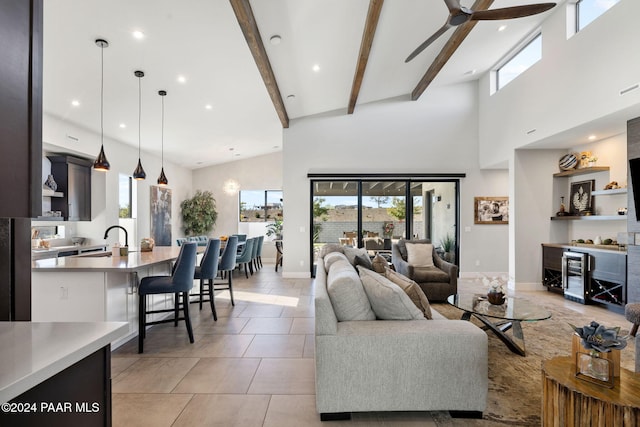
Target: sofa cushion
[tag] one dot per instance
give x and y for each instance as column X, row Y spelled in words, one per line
column 346, row 293
column 429, row 274
column 388, row 301
column 364, row 261
column 332, row 257
column 328, row 248
column 379, row 264
column 352, row 253
column 402, row 248
column 412, row 289
column 420, row 254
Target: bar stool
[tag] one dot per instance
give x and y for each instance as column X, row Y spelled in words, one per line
column 207, row 271
column 179, row 284
column 227, row 264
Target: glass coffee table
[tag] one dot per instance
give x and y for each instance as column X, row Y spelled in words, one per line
column 501, row 318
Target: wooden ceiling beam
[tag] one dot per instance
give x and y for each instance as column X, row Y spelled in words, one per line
column 448, row 50
column 247, row 22
column 375, row 6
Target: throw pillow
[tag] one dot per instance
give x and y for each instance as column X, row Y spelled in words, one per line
column 328, row 248
column 413, row 291
column 364, row 261
column 332, row 257
column 379, row 264
column 420, row 254
column 388, row 301
column 351, row 253
column 346, row 293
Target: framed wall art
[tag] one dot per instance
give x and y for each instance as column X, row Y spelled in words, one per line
column 161, row 215
column 491, row 210
column 580, row 199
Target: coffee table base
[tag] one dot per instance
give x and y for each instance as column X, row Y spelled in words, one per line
column 515, row 343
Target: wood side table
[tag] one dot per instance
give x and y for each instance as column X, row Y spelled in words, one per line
column 569, row 401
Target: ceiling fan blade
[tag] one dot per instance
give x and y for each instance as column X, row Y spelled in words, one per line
column 453, row 4
column 428, row 41
column 511, row 12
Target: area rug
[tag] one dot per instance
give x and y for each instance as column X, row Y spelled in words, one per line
column 515, row 382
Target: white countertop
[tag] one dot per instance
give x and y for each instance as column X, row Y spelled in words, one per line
column 133, row 262
column 32, row 352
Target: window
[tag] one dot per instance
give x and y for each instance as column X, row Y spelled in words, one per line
column 260, row 205
column 125, row 197
column 588, row 10
column 520, row 62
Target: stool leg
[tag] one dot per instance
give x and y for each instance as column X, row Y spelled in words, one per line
column 634, row 330
column 213, row 306
column 231, row 290
column 141, row 322
column 176, row 308
column 201, row 291
column 187, row 319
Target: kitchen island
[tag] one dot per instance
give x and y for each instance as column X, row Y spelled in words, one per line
column 98, row 287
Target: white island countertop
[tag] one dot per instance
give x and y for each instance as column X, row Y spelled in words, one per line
column 89, row 262
column 33, row 352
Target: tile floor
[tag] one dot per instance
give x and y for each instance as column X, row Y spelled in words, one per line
column 253, row 367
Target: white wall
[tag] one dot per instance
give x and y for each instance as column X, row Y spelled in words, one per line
column 256, row 173
column 123, row 159
column 436, row 134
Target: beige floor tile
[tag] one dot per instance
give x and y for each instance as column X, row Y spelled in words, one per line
column 301, row 310
column 303, row 325
column 262, row 310
column 219, row 375
column 224, row 325
column 158, row 345
column 284, row 376
column 220, row 346
column 119, row 364
column 276, row 346
column 216, row 410
column 267, row 325
column 153, row 375
column 153, row 410
column 309, row 346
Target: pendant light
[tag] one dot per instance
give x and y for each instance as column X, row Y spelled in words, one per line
column 139, row 173
column 162, row 179
column 101, row 163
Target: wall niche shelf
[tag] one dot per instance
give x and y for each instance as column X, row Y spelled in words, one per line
column 589, row 218
column 609, row 192
column 582, row 171
column 47, row 192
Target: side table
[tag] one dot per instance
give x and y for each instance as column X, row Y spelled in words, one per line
column 569, row 401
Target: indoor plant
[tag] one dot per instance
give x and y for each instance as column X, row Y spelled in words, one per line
column 199, row 213
column 275, row 229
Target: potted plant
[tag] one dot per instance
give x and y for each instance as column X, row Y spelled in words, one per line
column 275, row 229
column 448, row 245
column 199, row 213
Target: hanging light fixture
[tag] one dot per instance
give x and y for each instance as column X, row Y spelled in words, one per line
column 101, row 163
column 162, row 179
column 139, row 173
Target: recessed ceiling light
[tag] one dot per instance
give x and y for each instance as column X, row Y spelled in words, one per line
column 292, row 96
column 122, row 126
column 208, row 106
column 275, row 39
column 237, row 154
column 316, row 68
column 182, row 79
column 138, row 35
column 502, row 28
column 75, row 103
column 592, row 137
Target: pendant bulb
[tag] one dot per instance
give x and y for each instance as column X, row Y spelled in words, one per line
column 101, row 163
column 162, row 179
column 139, row 173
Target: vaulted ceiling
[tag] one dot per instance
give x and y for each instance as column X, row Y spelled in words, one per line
column 249, row 67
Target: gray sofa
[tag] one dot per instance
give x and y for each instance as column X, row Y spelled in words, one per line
column 395, row 365
column 437, row 282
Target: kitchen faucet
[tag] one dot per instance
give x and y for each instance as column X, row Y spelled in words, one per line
column 126, row 235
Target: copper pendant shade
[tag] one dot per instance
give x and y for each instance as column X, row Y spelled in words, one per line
column 101, row 163
column 139, row 173
column 162, row 179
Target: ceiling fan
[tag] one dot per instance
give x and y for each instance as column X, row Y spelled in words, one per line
column 459, row 15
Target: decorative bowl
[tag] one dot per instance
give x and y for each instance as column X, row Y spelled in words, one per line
column 147, row 244
column 568, row 162
column 496, row 298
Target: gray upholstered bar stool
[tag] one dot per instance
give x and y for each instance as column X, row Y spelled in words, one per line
column 228, row 264
column 179, row 284
column 207, row 271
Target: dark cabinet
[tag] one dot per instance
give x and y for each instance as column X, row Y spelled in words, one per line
column 552, row 268
column 73, row 176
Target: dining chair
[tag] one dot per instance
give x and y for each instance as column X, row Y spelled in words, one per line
column 253, row 265
column 207, row 271
column 279, row 254
column 244, row 258
column 179, row 284
column 259, row 256
column 227, row 264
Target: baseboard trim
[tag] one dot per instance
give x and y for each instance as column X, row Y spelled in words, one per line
column 335, row 416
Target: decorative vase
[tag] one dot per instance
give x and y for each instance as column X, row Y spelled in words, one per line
column 496, row 298
column 51, row 183
column 562, row 211
column 568, row 162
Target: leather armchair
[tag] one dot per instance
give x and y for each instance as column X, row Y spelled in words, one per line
column 437, row 282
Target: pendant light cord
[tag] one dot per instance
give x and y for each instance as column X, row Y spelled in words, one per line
column 102, row 95
column 162, row 132
column 139, row 113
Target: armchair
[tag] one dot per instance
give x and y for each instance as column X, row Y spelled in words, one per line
column 437, row 282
